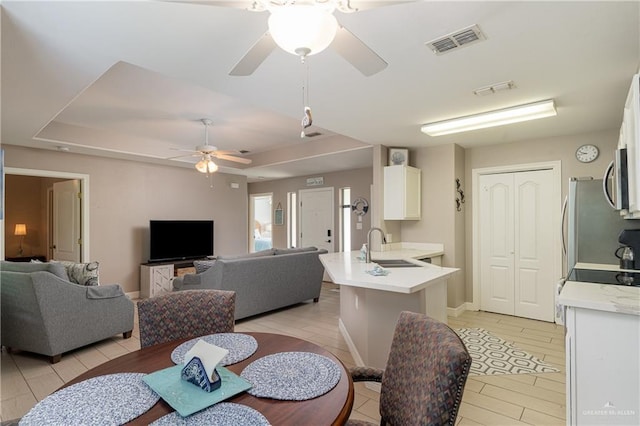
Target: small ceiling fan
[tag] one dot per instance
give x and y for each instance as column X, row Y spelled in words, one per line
column 306, row 27
column 208, row 152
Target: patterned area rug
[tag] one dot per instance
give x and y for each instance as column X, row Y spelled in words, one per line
column 492, row 355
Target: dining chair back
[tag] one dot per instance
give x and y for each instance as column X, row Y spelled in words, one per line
column 424, row 378
column 185, row 314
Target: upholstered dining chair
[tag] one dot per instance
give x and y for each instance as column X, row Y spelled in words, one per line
column 185, row 314
column 424, row 378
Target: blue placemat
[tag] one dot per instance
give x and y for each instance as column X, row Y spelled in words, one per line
column 240, row 347
column 221, row 414
column 292, row 376
column 186, row 398
column 112, row 399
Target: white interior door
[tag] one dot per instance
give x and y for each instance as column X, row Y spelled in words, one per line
column 534, row 280
column 516, row 244
column 497, row 243
column 317, row 218
column 66, row 221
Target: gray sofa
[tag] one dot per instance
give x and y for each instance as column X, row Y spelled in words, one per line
column 43, row 312
column 263, row 281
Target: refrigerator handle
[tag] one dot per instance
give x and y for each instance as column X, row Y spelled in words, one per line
column 605, row 187
column 564, row 216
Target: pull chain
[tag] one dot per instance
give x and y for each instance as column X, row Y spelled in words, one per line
column 306, row 117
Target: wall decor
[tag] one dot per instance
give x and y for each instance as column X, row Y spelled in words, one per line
column 398, row 157
column 315, row 181
column 278, row 215
column 459, row 196
column 360, row 206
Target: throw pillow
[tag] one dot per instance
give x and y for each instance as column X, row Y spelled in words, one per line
column 81, row 273
column 202, row 265
column 28, row 267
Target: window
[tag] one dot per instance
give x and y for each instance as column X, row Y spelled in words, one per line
column 345, row 219
column 292, row 216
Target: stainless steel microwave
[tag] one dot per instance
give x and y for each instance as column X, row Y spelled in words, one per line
column 615, row 182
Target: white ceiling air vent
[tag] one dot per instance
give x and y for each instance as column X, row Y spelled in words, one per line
column 456, row 39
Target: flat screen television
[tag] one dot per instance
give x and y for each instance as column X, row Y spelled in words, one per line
column 180, row 239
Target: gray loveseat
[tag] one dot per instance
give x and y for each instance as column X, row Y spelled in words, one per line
column 263, row 281
column 45, row 313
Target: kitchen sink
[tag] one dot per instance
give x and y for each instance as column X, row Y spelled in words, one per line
column 395, row 263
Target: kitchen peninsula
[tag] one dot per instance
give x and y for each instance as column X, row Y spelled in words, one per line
column 370, row 305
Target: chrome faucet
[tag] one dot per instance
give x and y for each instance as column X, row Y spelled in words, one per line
column 384, row 241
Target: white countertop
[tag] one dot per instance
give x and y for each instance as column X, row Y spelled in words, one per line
column 406, row 250
column 602, row 297
column 345, row 268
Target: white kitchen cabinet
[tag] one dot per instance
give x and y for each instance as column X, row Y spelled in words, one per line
column 603, row 374
column 402, row 193
column 630, row 138
column 156, row 280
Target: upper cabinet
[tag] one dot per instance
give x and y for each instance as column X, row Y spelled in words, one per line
column 402, row 193
column 630, row 139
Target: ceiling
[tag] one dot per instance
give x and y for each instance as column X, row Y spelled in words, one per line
column 134, row 79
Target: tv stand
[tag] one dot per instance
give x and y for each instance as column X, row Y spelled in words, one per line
column 156, row 278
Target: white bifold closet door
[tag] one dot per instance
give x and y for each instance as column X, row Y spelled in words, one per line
column 516, row 244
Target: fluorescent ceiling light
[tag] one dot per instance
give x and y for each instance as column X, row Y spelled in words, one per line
column 490, row 119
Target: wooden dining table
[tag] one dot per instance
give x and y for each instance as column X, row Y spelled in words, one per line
column 332, row 408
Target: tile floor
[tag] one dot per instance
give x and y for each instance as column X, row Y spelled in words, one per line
column 536, row 399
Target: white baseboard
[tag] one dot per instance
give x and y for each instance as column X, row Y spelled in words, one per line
column 352, row 347
column 134, row 295
column 356, row 356
column 456, row 312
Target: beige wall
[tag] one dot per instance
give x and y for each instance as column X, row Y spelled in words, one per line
column 359, row 180
column 125, row 195
column 440, row 222
column 541, row 150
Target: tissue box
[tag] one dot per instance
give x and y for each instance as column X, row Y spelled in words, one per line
column 194, row 372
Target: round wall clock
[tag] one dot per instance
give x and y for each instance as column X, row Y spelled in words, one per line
column 587, row 153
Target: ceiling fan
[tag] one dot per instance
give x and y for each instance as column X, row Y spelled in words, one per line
column 209, row 152
column 306, row 27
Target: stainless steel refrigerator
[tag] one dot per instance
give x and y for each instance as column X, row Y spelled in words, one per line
column 592, row 226
column 590, row 229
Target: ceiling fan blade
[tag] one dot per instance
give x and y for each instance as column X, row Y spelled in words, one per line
column 233, row 158
column 222, row 3
column 182, row 156
column 255, row 56
column 357, row 53
column 372, row 4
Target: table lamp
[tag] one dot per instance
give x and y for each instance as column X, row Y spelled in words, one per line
column 21, row 231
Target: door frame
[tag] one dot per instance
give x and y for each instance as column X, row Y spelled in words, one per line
column 84, row 202
column 556, row 168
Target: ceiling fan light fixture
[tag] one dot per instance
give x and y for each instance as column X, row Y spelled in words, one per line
column 302, row 29
column 206, row 165
column 499, row 117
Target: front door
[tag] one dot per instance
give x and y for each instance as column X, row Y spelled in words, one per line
column 317, row 218
column 66, row 221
